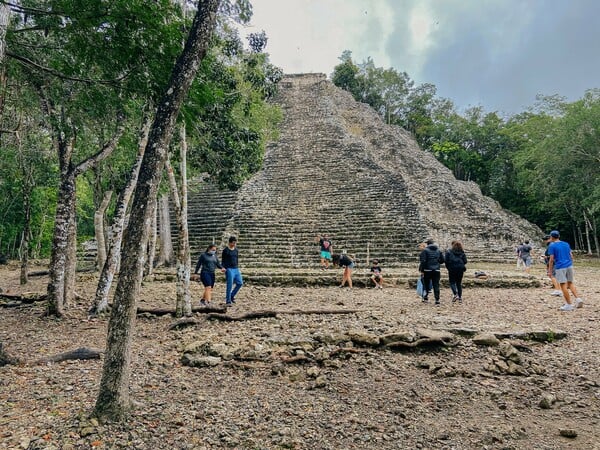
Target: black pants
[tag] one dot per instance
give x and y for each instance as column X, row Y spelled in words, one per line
column 433, row 277
column 455, row 278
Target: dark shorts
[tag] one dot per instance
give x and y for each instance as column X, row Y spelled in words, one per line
column 207, row 278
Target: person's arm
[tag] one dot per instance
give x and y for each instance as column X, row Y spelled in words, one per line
column 198, row 264
column 550, row 264
column 218, row 264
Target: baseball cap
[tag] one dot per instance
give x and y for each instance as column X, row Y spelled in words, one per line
column 546, row 237
column 554, row 233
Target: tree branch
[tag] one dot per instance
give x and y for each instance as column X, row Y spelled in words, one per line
column 30, row 63
column 105, row 152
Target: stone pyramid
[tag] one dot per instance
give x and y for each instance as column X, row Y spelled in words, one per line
column 338, row 169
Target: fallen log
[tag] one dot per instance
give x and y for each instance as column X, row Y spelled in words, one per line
column 166, row 311
column 248, row 316
column 27, row 298
column 79, row 353
column 269, row 313
column 38, row 273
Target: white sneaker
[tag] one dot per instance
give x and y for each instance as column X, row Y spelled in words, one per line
column 567, row 307
column 556, row 293
column 578, row 302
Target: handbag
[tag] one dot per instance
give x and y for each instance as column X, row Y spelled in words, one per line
column 420, row 290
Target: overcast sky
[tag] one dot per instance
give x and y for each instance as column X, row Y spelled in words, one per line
column 495, row 53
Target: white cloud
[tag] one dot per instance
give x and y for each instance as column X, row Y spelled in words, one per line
column 310, row 35
column 496, row 53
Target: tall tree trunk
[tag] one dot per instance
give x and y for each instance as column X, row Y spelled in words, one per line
column 165, row 255
column 113, row 397
column 183, row 304
column 62, row 227
column 63, row 260
column 99, row 230
column 4, row 19
column 60, row 243
column 27, row 188
column 118, row 226
column 151, row 250
column 25, row 242
column 71, row 261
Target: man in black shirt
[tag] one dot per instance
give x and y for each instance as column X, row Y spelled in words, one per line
column 229, row 259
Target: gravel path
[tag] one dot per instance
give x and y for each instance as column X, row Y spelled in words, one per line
column 318, row 381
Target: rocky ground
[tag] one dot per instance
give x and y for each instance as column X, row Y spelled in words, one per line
column 393, row 374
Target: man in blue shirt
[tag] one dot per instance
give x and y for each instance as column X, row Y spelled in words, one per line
column 561, row 261
column 229, row 259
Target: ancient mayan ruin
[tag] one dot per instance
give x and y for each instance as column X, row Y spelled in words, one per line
column 338, row 169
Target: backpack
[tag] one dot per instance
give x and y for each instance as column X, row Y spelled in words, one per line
column 454, row 262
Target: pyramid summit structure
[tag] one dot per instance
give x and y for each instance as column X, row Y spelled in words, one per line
column 338, row 169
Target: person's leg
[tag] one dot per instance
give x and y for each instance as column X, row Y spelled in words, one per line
column 238, row 281
column 228, row 284
column 572, row 288
column 563, row 279
column 555, row 284
column 349, row 277
column 452, row 281
column 426, row 284
column 380, row 281
column 459, row 289
column 435, row 278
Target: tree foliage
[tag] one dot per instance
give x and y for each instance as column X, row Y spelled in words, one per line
column 74, row 66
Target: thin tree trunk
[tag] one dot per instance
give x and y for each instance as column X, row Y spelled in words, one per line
column 149, row 268
column 27, row 188
column 71, row 260
column 63, row 260
column 100, row 231
column 4, row 19
column 183, row 304
column 114, row 252
column 165, row 255
column 60, row 242
column 113, row 397
column 588, row 225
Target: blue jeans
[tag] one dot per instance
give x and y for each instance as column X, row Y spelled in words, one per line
column 232, row 276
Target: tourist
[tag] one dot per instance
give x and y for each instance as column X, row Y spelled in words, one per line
column 525, row 254
column 207, row 263
column 456, row 263
column 518, row 252
column 430, row 260
column 376, row 275
column 233, row 275
column 326, row 250
column 546, row 258
column 348, row 263
column 561, row 264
